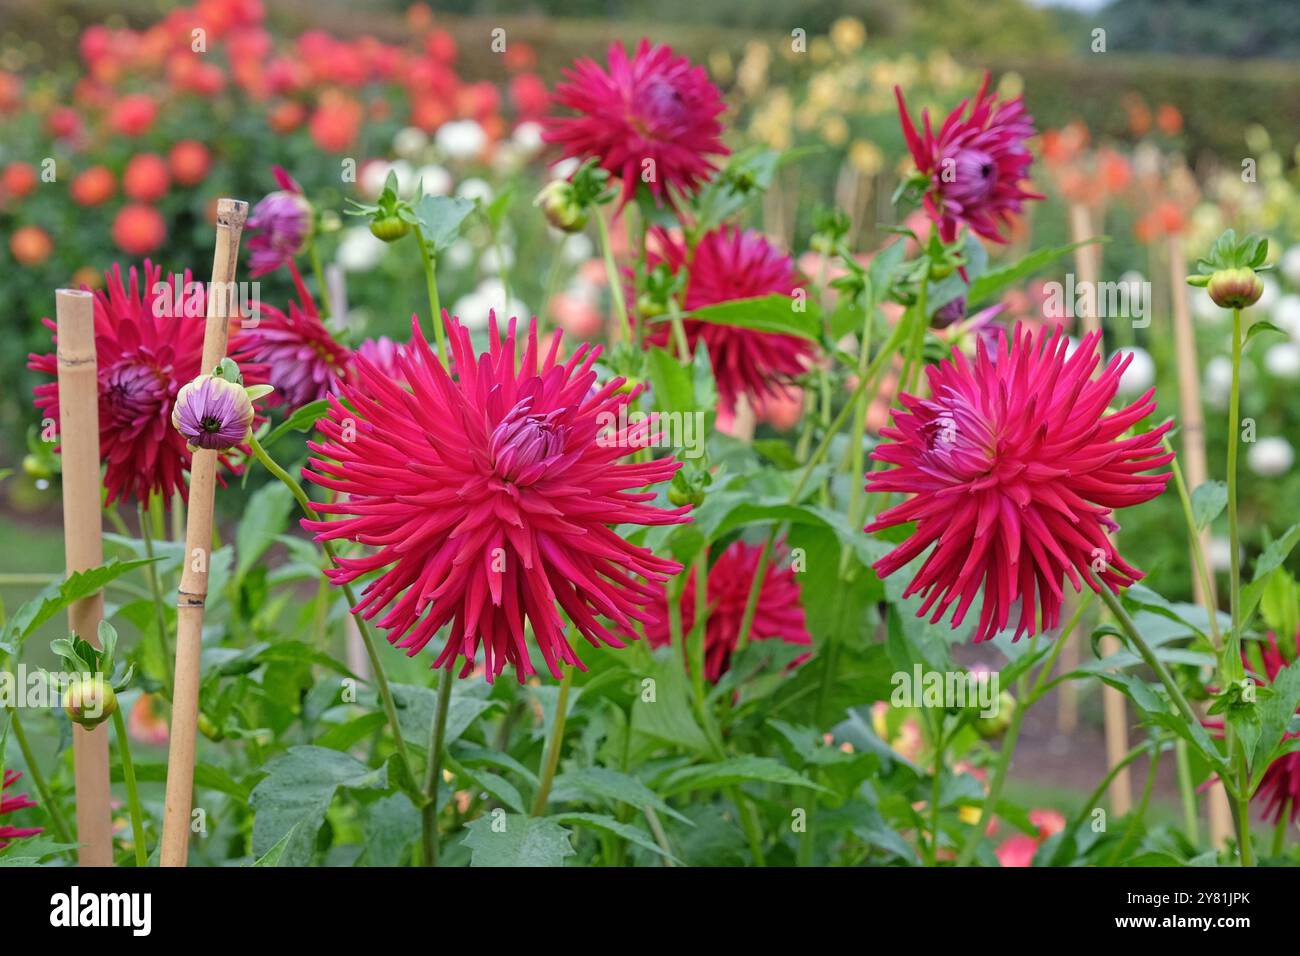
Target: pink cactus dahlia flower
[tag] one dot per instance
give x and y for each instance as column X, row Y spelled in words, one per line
column 733, row 264
column 1014, row 471
column 652, row 119
column 778, row 615
column 279, row 226
column 11, row 804
column 976, row 165
column 489, row 500
column 303, row 360
column 147, row 349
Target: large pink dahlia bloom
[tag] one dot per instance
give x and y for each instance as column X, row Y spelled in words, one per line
column 11, row 804
column 1014, row 471
column 489, row 500
column 976, row 164
column 149, row 343
column 777, row 616
column 655, row 108
column 728, row 264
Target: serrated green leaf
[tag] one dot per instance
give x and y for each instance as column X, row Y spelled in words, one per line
column 991, row 284
column 609, row 784
column 512, row 839
column 726, row 773
column 625, row 831
column 1208, row 501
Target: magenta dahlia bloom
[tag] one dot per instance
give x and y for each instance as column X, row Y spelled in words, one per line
column 279, row 226
column 489, row 500
column 1014, row 471
column 384, row 354
column 733, row 264
column 149, row 342
column 303, row 360
column 976, row 164
column 778, row 615
column 655, row 108
column 11, row 804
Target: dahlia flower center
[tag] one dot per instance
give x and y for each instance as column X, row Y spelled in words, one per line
column 659, row 106
column 974, row 176
column 135, row 390
column 524, row 444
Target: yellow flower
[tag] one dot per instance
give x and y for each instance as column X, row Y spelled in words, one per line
column 866, row 157
column 848, row 34
column 821, row 51
column 970, row 815
column 835, row 131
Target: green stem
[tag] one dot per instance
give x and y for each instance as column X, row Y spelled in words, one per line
column 1135, row 819
column 155, row 590
column 554, row 744
column 313, row 253
column 935, row 786
column 51, row 806
column 1243, row 811
column 367, row 638
column 615, row 280
column 1187, row 790
column 132, row 792
column 1198, row 554
column 1148, row 656
column 696, row 639
column 552, row 281
column 1232, row 663
column 430, row 263
column 433, row 769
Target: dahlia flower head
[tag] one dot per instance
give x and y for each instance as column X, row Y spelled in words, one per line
column 976, row 165
column 279, row 226
column 148, row 343
column 488, row 499
column 1014, row 471
column 654, row 107
column 730, row 263
column 10, row 833
column 303, row 360
column 778, row 615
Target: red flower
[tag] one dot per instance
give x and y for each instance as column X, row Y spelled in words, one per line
column 188, row 162
column 133, row 115
column 652, row 119
column 778, row 614
column 138, row 229
column 303, row 361
column 93, row 187
column 12, row 805
column 975, row 165
column 1014, row 471
column 146, row 351
column 31, row 245
column 19, row 180
column 731, row 264
column 336, row 122
column 490, row 499
column 146, row 178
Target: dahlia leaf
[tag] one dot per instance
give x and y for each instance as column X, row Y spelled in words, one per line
column 988, row 286
column 674, row 385
column 1274, row 555
column 296, row 794
column 1208, row 502
column 440, row 219
column 776, row 313
column 736, row 770
column 57, row 596
column 666, row 715
column 975, row 261
column 1275, row 716
column 416, row 706
column 600, row 821
column 1259, row 328
column 1155, row 709
column 273, row 856
column 391, row 825
column 303, row 419
column 497, row 787
column 471, row 755
column 612, row 785
column 345, row 735
column 265, row 516
column 512, row 839
column 749, row 173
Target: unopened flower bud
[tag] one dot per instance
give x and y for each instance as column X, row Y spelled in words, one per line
column 89, row 702
column 212, row 413
column 559, row 202
column 1235, row 288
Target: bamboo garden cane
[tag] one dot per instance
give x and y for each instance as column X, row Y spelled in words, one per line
column 84, row 547
column 1114, row 710
column 1192, row 427
column 193, row 591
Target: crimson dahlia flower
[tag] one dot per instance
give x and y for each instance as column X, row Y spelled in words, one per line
column 279, row 226
column 489, row 500
column 303, row 360
column 653, row 108
column 733, row 264
column 1015, row 471
column 149, row 342
column 777, row 616
column 976, row 165
column 10, row 805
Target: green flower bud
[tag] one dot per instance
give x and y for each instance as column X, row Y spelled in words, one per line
column 89, row 702
column 1235, row 288
column 559, row 202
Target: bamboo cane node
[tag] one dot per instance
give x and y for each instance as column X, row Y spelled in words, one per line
column 191, row 599
column 73, row 361
column 232, row 214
